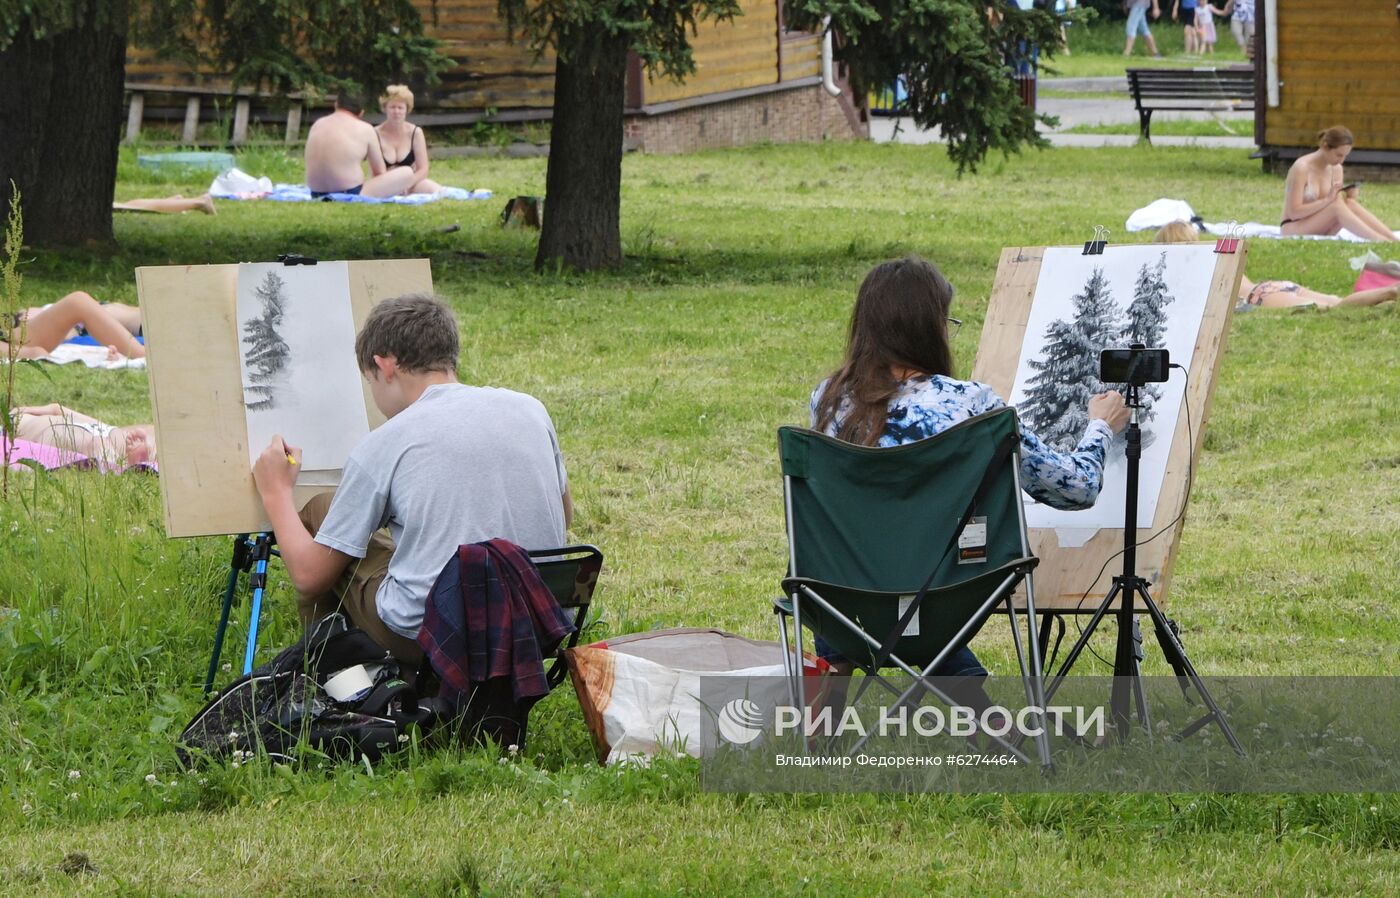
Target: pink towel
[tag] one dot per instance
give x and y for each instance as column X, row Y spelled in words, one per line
column 47, row 457
column 1372, row 280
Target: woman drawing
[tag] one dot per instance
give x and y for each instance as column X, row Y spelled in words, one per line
column 896, row 386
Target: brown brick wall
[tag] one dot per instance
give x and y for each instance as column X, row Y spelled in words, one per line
column 789, row 116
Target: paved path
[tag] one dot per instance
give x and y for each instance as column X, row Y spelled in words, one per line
column 1097, row 111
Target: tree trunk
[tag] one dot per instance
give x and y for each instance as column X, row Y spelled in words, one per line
column 61, row 113
column 584, row 182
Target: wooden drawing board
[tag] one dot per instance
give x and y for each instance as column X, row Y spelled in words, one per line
column 187, row 314
column 1065, row 574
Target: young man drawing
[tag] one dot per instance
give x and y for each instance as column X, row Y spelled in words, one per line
column 453, row 464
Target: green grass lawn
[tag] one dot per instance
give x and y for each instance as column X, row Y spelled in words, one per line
column 1212, row 127
column 666, row 381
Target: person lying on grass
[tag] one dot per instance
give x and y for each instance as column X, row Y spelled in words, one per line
column 1279, row 294
column 78, row 434
column 896, row 386
column 115, row 325
column 454, row 464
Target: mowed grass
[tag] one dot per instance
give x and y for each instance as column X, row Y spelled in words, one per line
column 667, row 381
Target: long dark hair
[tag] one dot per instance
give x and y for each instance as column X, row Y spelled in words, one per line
column 900, row 321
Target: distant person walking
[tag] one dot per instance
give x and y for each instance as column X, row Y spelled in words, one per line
column 1184, row 11
column 1205, row 26
column 1241, row 14
column 1137, row 25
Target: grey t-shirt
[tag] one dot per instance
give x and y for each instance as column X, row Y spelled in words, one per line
column 461, row 465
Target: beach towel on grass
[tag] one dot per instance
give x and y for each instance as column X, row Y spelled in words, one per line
column 1164, row 211
column 91, row 355
column 236, row 185
column 51, row 458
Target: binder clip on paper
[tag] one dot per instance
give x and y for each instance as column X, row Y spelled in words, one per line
column 1234, row 233
column 1095, row 247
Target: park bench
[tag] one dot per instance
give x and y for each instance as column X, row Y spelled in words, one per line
column 1229, row 89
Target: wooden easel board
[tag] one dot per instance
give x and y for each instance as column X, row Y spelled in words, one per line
column 187, row 315
column 1065, row 574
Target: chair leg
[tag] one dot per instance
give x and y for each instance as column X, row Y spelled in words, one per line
column 787, row 656
column 801, row 687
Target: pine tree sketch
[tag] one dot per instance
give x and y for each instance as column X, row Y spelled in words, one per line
column 1146, row 323
column 1057, row 396
column 267, row 354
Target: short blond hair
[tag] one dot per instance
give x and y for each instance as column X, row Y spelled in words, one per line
column 398, row 92
column 1176, row 232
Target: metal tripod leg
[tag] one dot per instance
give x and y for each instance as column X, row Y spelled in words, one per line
column 1215, row 715
column 237, row 565
column 261, row 551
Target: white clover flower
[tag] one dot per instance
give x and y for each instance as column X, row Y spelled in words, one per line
column 28, row 808
column 151, row 779
column 513, row 748
column 403, row 738
column 72, row 796
column 235, row 765
column 75, row 774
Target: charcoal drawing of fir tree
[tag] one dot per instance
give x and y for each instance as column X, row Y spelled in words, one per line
column 1146, row 321
column 1067, row 374
column 267, row 354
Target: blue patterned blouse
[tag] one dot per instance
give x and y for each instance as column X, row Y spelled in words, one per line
column 929, row 404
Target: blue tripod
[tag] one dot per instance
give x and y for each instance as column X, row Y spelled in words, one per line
column 250, row 554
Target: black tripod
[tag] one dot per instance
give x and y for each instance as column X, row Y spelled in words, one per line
column 1128, row 588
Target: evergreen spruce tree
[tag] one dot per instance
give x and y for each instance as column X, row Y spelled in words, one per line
column 1146, row 321
column 1068, row 373
column 267, row 353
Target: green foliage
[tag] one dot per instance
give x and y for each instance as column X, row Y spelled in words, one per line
column 10, row 281
column 657, row 30
column 46, row 18
column 318, row 45
column 956, row 58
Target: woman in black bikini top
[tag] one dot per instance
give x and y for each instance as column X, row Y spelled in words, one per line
column 397, row 103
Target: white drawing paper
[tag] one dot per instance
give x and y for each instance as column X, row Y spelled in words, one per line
column 1152, row 294
column 296, row 350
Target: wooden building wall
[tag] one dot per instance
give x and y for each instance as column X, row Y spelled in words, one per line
column 1338, row 63
column 748, row 52
column 728, row 56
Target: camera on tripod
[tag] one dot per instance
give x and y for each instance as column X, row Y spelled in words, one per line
column 1137, row 365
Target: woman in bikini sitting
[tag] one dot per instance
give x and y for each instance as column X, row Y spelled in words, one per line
column 1277, row 294
column 113, row 324
column 1317, row 198
column 402, row 144
column 82, row 435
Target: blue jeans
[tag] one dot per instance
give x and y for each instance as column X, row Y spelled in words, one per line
column 961, row 663
column 1137, row 22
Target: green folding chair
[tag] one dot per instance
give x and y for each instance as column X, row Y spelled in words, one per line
column 898, row 556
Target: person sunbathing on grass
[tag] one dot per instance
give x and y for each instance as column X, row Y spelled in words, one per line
column 169, row 205
column 401, row 143
column 83, row 435
column 1280, row 294
column 1317, row 198
column 336, row 146
column 114, row 325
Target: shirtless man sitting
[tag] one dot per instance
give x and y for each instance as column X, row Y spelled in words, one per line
column 335, row 147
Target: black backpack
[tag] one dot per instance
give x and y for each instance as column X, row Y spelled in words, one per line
column 284, row 703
